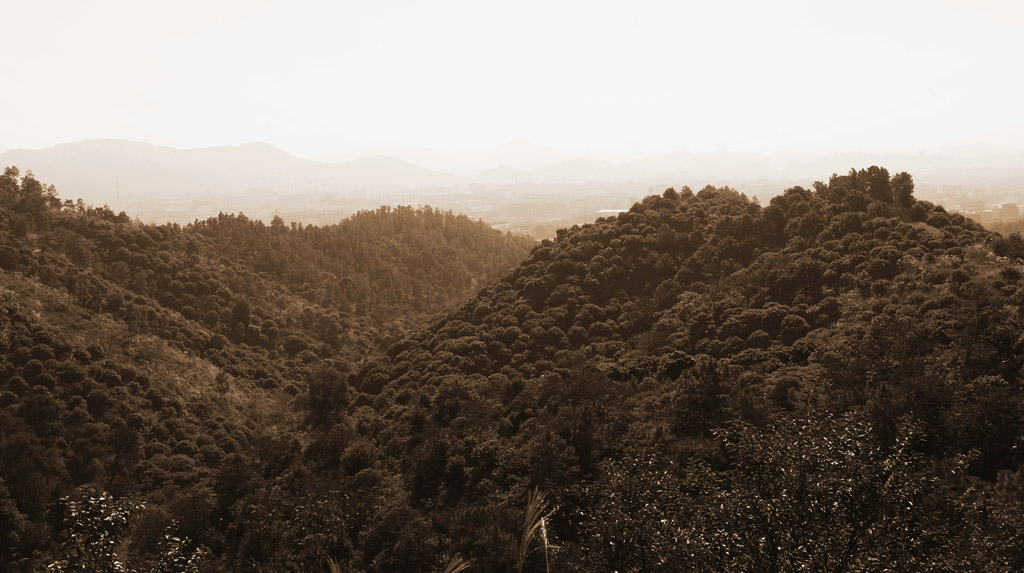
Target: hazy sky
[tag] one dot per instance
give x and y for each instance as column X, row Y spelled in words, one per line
column 627, row 77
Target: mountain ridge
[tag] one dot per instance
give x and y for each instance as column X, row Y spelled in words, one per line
column 98, row 169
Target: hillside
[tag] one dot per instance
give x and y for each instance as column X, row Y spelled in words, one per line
column 829, row 382
column 391, row 263
column 136, row 358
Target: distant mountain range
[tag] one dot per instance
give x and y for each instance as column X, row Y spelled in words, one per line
column 103, row 170
column 116, row 170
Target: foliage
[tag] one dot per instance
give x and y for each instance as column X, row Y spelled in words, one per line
column 828, row 382
column 822, row 494
column 96, row 524
column 537, row 513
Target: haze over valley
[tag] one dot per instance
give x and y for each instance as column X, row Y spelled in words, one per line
column 518, row 187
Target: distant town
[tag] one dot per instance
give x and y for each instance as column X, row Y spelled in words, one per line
column 985, row 205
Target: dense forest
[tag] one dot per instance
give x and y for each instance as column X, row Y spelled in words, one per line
column 831, row 382
column 139, row 359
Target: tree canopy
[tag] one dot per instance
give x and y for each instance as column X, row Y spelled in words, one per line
column 832, row 381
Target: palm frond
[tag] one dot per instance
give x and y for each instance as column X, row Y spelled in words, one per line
column 536, row 512
column 455, row 564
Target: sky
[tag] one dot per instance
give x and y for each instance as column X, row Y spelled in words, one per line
column 621, row 79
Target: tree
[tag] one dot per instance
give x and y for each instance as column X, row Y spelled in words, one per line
column 822, row 494
column 902, row 185
column 328, row 395
column 876, row 179
column 95, row 525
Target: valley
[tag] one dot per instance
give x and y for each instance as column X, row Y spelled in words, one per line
column 826, row 380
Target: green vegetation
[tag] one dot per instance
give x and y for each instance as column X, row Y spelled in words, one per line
column 829, row 382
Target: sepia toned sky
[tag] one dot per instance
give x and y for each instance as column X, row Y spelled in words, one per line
column 617, row 78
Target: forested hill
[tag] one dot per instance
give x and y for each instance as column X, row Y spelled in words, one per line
column 136, row 357
column 249, row 282
column 392, row 263
column 831, row 382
